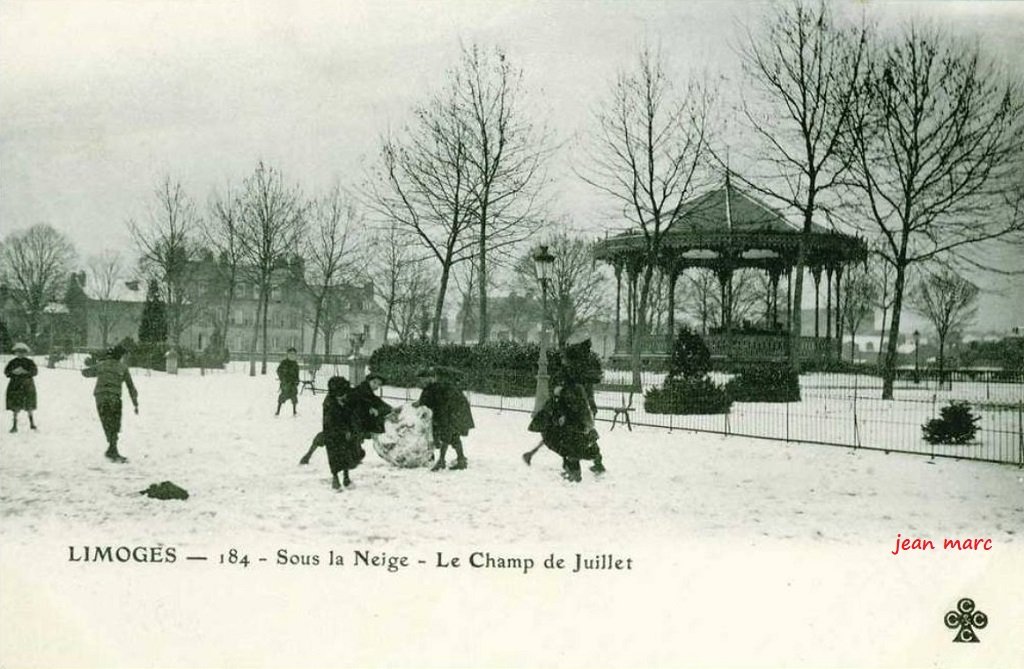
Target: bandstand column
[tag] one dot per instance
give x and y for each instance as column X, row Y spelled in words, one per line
column 789, row 300
column 618, row 303
column 816, row 274
column 828, row 303
column 673, row 276
column 839, row 311
column 773, row 281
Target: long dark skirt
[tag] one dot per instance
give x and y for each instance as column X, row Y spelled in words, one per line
column 21, row 395
column 343, row 453
column 573, row 444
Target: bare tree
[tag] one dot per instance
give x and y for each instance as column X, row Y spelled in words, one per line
column 331, row 251
column 106, row 272
column 389, row 267
column 506, row 152
column 935, row 140
column 699, row 289
column 35, row 265
column 223, row 235
column 465, row 283
column 806, row 68
column 168, row 251
column 859, row 294
column 424, row 184
column 413, row 318
column 577, row 287
column 948, row 301
column 647, row 157
column 272, row 221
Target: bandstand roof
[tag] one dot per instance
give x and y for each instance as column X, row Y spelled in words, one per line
column 727, row 228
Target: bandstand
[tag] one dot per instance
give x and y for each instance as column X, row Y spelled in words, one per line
column 727, row 230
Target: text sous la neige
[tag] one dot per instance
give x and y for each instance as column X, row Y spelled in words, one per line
column 960, row 544
column 577, row 562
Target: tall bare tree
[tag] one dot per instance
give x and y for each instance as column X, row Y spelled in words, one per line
column 506, row 152
column 413, row 319
column 577, row 290
column 858, row 295
column 168, row 251
column 936, row 140
column 106, row 271
column 425, row 185
column 806, row 70
column 35, row 265
column 272, row 222
column 331, row 251
column 948, row 301
column 647, row 156
column 391, row 268
column 223, row 235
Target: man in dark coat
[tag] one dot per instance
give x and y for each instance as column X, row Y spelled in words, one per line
column 110, row 373
column 288, row 377
column 451, row 417
column 21, row 390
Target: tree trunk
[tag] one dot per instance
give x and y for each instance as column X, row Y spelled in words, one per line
column 266, row 308
column 483, row 326
column 795, row 309
column 255, row 338
column 435, row 333
column 889, row 368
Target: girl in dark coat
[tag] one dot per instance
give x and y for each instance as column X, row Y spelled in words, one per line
column 451, row 418
column 21, row 390
column 370, row 410
column 341, row 435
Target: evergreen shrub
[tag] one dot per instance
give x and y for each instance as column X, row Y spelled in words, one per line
column 956, row 424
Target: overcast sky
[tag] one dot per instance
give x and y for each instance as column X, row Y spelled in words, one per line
column 99, row 101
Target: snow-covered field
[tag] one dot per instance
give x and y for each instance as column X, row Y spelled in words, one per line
column 746, row 551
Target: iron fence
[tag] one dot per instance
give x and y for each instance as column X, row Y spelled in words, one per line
column 834, row 409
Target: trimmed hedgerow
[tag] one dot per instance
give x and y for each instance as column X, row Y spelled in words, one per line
column 499, row 368
column 765, row 383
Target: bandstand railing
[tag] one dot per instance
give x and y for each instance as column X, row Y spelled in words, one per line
column 740, row 346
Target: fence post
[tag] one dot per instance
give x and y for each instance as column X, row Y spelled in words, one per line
column 856, row 427
column 787, row 421
column 1020, row 432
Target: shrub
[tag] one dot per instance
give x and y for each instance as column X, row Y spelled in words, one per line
column 765, row 383
column 690, row 355
column 955, row 425
column 693, row 395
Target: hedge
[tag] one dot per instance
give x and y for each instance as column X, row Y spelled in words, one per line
column 500, row 368
column 692, row 395
column 765, row 383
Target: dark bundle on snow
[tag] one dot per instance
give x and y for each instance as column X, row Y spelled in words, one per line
column 165, row 490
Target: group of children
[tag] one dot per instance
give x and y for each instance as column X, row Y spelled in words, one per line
column 353, row 414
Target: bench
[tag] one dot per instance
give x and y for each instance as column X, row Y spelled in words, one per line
column 625, row 405
column 309, row 381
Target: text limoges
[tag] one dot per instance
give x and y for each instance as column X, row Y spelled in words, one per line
column 150, row 554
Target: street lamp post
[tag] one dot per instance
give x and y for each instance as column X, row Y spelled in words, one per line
column 917, row 357
column 542, row 262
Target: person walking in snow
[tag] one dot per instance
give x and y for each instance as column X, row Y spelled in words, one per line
column 566, row 425
column 342, row 435
column 577, row 378
column 21, row 389
column 451, row 417
column 288, row 378
column 110, row 373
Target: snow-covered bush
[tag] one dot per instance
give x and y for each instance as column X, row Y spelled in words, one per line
column 693, row 395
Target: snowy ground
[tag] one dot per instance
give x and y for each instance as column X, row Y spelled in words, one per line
column 730, row 536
